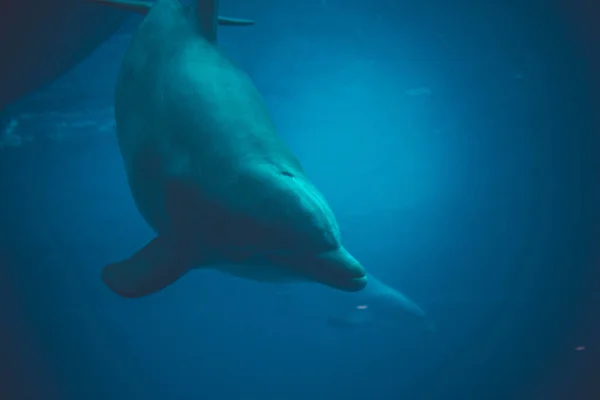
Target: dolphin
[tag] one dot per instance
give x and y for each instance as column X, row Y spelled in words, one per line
column 144, row 7
column 41, row 40
column 208, row 171
column 377, row 306
column 379, row 302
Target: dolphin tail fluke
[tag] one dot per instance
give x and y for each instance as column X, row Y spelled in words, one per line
column 151, row 269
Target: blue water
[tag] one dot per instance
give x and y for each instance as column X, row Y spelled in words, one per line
column 452, row 142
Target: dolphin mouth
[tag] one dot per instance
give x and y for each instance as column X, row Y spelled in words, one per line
column 344, row 284
column 358, row 284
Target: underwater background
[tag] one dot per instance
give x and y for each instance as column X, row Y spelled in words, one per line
column 455, row 141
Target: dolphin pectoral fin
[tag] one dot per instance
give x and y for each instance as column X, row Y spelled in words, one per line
column 140, row 7
column 151, row 269
column 226, row 21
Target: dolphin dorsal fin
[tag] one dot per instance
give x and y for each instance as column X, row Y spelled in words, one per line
column 140, row 7
column 207, row 25
column 207, row 12
column 207, row 19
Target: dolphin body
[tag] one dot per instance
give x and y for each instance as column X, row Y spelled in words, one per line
column 207, row 169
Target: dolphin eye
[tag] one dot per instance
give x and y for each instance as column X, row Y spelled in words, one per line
column 286, row 173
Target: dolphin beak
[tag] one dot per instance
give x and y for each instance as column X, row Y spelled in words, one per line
column 334, row 268
column 339, row 270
